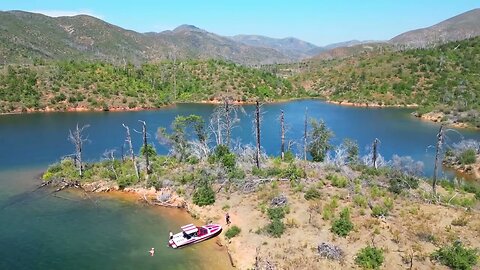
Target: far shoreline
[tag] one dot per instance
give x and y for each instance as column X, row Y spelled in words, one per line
column 425, row 117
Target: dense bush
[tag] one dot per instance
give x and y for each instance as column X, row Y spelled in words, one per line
column 467, row 157
column 204, row 195
column 398, row 183
column 232, row 232
column 312, row 193
column 275, row 228
column 276, row 212
column 343, row 225
column 369, row 258
column 338, row 180
column 456, row 256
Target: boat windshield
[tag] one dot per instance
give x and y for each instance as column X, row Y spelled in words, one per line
column 202, row 231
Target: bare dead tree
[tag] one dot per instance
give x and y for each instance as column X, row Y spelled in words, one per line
column 223, row 120
column 227, row 122
column 375, row 153
column 145, row 146
column 77, row 139
column 305, row 134
column 440, row 140
column 282, row 136
column 110, row 154
column 128, row 139
column 257, row 129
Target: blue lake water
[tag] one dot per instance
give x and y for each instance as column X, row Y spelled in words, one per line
column 40, row 231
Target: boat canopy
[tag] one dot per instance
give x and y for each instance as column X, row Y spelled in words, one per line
column 189, row 229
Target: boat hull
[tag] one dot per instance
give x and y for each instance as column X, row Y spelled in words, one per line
column 178, row 241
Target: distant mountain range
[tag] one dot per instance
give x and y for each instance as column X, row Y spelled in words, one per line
column 465, row 25
column 25, row 36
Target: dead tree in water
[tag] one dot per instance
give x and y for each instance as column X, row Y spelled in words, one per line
column 257, row 131
column 145, row 146
column 305, row 134
column 228, row 122
column 78, row 139
column 375, row 153
column 128, row 139
column 440, row 140
column 282, row 125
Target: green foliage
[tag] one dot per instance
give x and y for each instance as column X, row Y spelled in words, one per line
column 339, row 181
column 275, row 228
column 150, row 150
column 178, row 139
column 154, row 182
column 360, row 200
column 288, row 156
column 126, row 180
column 319, row 137
column 398, row 183
column 379, row 211
column 352, row 150
column 223, row 155
column 370, row 258
column 312, row 194
column 204, row 195
column 232, row 232
column 99, row 85
column 456, row 256
column 435, row 78
column 276, row 212
column 343, row 225
column 467, row 157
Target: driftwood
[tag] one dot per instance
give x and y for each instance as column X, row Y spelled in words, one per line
column 330, row 251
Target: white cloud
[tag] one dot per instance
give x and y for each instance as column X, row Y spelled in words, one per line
column 69, row 13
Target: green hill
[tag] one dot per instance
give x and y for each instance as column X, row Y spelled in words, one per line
column 445, row 78
column 68, row 85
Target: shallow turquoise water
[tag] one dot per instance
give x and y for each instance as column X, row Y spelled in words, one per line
column 42, row 231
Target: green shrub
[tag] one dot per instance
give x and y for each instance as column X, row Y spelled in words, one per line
column 204, row 196
column 400, row 183
column 126, row 180
column 312, row 193
column 456, row 256
column 236, row 173
column 369, row 258
column 275, row 228
column 337, row 180
column 378, row 211
column 288, row 156
column 343, row 225
column 232, row 232
column 154, row 182
column 467, row 156
column 276, row 212
column 360, row 200
column 292, row 172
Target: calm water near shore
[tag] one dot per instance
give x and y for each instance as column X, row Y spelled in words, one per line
column 69, row 231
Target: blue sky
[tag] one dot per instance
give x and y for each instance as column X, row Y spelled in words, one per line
column 319, row 22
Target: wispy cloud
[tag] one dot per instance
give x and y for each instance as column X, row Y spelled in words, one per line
column 61, row 13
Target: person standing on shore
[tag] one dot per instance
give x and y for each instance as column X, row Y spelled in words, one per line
column 227, row 219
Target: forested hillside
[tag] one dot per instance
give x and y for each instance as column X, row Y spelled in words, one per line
column 445, row 78
column 96, row 85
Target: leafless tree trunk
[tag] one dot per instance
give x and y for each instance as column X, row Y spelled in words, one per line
column 110, row 154
column 257, row 125
column 305, row 134
column 128, row 139
column 77, row 138
column 440, row 139
column 375, row 153
column 145, row 146
column 282, row 136
column 228, row 124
